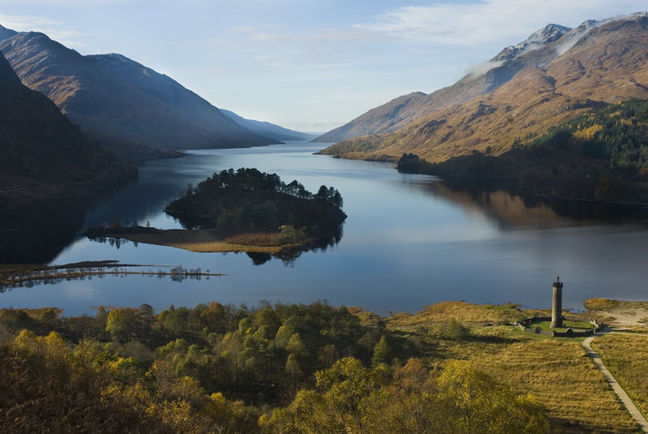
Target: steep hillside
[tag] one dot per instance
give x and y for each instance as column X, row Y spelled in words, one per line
column 113, row 96
column 582, row 71
column 42, row 151
column 483, row 79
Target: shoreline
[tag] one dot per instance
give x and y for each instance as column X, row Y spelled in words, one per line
column 20, row 275
column 199, row 241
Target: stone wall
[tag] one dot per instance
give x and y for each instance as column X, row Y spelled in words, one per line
column 526, row 325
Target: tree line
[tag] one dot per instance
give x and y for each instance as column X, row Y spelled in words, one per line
column 216, row 368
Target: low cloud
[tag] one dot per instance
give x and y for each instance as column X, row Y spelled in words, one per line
column 488, row 21
column 483, row 68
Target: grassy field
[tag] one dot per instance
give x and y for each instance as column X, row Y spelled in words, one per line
column 626, row 356
column 556, row 371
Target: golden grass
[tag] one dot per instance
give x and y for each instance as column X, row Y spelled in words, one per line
column 258, row 239
column 460, row 311
column 600, row 304
column 556, row 371
column 208, row 241
column 626, row 356
column 561, row 377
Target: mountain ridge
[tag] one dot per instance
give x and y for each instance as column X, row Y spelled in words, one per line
column 607, row 64
column 540, row 48
column 43, row 152
column 115, row 96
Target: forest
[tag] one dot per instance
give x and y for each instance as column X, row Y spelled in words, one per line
column 601, row 155
column 215, row 368
column 249, row 200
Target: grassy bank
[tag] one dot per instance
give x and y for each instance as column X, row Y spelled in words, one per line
column 626, row 356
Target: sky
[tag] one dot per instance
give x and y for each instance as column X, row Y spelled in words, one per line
column 311, row 65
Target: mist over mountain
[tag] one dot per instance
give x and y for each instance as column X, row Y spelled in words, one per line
column 111, row 95
column 42, row 151
column 267, row 129
column 556, row 74
column 538, row 50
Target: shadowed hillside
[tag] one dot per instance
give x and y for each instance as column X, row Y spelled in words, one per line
column 43, row 152
column 113, row 96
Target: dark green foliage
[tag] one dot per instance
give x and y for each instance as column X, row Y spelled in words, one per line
column 249, row 200
column 260, row 356
column 617, row 133
column 599, row 156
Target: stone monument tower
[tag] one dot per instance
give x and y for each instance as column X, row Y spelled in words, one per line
column 556, row 304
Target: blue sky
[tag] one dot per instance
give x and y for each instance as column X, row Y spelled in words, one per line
column 305, row 64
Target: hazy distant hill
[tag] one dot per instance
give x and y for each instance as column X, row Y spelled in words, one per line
column 42, row 152
column 114, row 96
column 552, row 77
column 267, row 129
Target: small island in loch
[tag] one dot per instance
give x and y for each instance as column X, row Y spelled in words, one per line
column 244, row 211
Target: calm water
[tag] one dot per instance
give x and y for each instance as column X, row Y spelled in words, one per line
column 409, row 241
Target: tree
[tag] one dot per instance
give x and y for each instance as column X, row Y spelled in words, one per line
column 381, row 352
column 122, row 323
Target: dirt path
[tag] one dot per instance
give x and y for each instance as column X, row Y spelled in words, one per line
column 623, row 396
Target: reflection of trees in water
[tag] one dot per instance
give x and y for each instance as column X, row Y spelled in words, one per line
column 49, row 276
column 516, row 210
column 288, row 256
column 37, row 231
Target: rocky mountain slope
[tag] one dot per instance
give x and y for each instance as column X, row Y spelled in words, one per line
column 267, row 129
column 483, row 79
column 113, row 96
column 539, row 49
column 552, row 77
column 42, row 151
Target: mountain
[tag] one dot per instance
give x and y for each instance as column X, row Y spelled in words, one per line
column 267, row 129
column 482, row 79
column 554, row 76
column 42, row 151
column 113, row 96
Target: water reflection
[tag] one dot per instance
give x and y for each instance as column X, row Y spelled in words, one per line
column 512, row 211
column 37, row 231
column 408, row 241
column 286, row 255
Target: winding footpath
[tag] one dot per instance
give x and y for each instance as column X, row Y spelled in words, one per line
column 623, row 396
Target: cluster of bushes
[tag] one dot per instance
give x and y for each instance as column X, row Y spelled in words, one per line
column 215, row 368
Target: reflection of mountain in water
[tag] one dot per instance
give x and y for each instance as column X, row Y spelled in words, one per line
column 514, row 211
column 37, row 231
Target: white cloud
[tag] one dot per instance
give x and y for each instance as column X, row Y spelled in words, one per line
column 487, row 21
column 53, row 29
column 483, row 68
